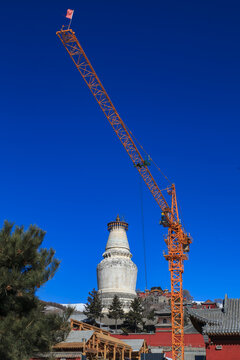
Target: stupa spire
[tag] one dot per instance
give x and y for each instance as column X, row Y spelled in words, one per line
column 117, row 234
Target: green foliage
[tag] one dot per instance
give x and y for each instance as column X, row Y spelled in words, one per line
column 187, row 296
column 57, row 325
column 116, row 310
column 93, row 309
column 135, row 315
column 151, row 315
column 186, row 318
column 24, row 328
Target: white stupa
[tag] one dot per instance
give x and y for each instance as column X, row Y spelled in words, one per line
column 116, row 273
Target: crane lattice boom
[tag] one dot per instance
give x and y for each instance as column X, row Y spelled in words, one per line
column 177, row 240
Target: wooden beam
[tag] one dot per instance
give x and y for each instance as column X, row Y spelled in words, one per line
column 114, row 352
column 130, row 354
column 105, row 351
column 84, row 347
column 97, row 344
column 123, row 350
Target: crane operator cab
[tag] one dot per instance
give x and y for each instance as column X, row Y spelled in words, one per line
column 186, row 248
column 187, row 243
column 144, row 163
column 164, row 221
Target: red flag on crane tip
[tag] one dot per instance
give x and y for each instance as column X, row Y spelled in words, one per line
column 69, row 13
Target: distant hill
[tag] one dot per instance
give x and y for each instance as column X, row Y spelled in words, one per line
column 55, row 307
column 78, row 307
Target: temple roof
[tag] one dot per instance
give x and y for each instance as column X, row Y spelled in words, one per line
column 190, row 329
column 77, row 338
column 135, row 344
column 225, row 321
column 165, row 311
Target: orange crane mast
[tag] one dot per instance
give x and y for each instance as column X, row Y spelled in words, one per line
column 177, row 239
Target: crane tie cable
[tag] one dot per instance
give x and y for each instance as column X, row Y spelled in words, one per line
column 158, row 168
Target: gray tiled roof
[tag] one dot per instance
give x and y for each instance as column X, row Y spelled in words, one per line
column 224, row 321
column 79, row 336
column 164, row 311
column 78, row 317
column 190, row 329
column 58, row 354
column 135, row 344
column 206, row 315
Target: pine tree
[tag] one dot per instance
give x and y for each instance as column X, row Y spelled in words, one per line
column 187, row 296
column 116, row 310
column 135, row 315
column 24, row 267
column 93, row 308
column 151, row 315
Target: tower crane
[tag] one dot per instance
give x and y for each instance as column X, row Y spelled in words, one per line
column 177, row 239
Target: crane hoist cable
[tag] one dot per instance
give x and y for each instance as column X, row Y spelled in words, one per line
column 143, row 235
column 177, row 240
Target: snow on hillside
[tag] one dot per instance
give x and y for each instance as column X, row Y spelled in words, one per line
column 78, row 307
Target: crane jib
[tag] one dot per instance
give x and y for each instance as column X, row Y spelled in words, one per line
column 177, row 240
column 85, row 68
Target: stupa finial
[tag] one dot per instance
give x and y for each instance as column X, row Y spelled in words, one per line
column 117, row 224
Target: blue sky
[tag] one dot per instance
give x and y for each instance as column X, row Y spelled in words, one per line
column 172, row 71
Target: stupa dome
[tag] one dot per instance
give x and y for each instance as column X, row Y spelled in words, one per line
column 116, row 273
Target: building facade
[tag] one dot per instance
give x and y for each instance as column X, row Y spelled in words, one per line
column 220, row 329
column 116, row 273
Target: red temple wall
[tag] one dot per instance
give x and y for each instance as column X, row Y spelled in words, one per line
column 165, row 339
column 230, row 348
column 59, row 358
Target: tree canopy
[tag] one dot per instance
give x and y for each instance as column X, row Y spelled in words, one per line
column 116, row 310
column 135, row 315
column 186, row 295
column 24, row 267
column 93, row 309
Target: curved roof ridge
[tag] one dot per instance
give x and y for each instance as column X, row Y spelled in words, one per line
column 214, row 316
column 224, row 321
